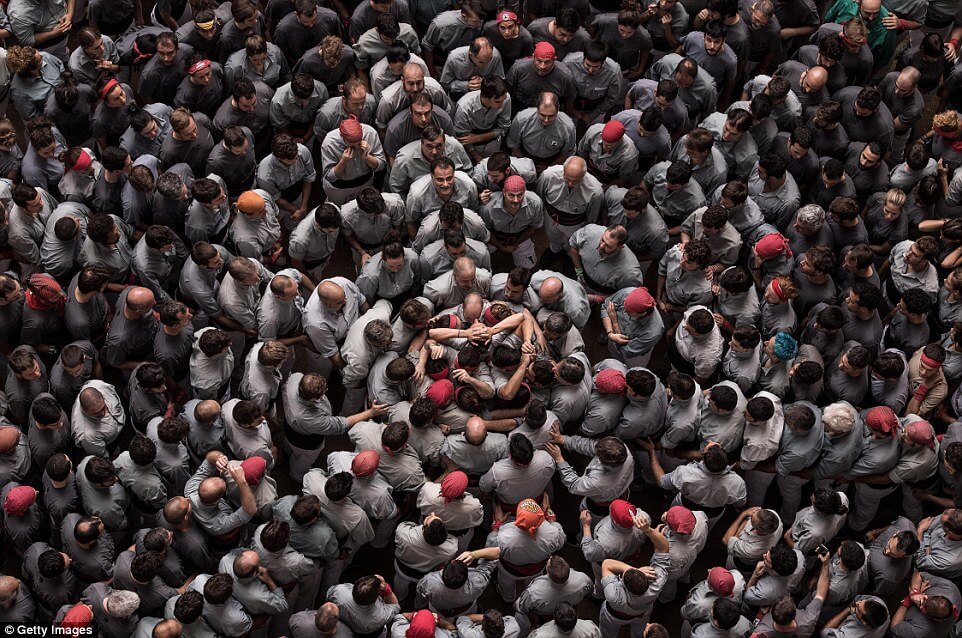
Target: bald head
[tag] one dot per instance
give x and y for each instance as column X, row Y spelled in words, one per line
column 140, row 299
column 331, row 294
column 472, row 307
column 169, row 628
column 412, row 72
column 465, row 273
column 212, row 490
column 176, row 510
column 246, row 564
column 551, row 289
column 870, row 8
column 92, row 402
column 815, row 79
column 207, row 411
column 8, row 589
column 907, row 81
column 327, row 617
column 475, row 431
column 574, row 170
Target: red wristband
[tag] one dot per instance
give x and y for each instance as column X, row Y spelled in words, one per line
column 903, row 25
column 907, row 602
column 954, row 42
column 385, row 590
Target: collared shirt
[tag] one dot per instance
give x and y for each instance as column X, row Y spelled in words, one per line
column 459, row 69
column 513, row 483
column 529, row 215
column 435, row 259
column 583, row 201
column 286, row 110
column 394, row 99
column 777, row 205
column 84, row 67
column 369, row 229
column 326, row 327
column 29, row 17
column 332, row 113
column 275, row 177
column 401, row 130
column 349, row 521
column 276, row 72
column 542, row 595
column 684, row 287
column 904, row 277
column 333, row 147
column 93, row 434
column 311, row 244
column 254, row 237
column 448, row 31
column 620, row 161
column 709, row 489
column 700, row 97
column 602, row 87
column 528, row 133
column 109, row 503
column 430, row 229
column 423, row 197
column 471, row 115
column 25, row 232
column 136, row 144
column 257, row 121
column 674, row 205
column 260, row 385
column 527, row 84
column 401, row 469
column 812, row 528
column 749, row 546
column 370, row 49
column 357, row 353
column 276, row 317
column 599, row 482
column 573, row 300
column 409, row 163
column 619, row 270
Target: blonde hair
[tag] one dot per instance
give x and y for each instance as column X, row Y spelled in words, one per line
column 330, row 50
column 946, row 120
column 787, row 286
column 896, row 196
column 21, row 59
column 855, row 30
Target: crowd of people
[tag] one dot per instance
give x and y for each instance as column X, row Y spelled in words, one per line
column 216, row 219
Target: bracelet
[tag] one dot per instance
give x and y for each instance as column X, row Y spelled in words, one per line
column 954, row 42
column 907, row 602
column 903, row 25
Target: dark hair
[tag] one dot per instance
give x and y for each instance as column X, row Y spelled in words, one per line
column 338, row 486
column 783, row 559
column 454, row 575
column 218, row 588
column 520, row 449
column 724, row 397
column 829, row 502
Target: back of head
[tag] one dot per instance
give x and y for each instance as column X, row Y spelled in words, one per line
column 565, row 616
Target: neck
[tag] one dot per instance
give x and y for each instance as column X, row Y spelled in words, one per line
column 173, row 330
column 83, row 297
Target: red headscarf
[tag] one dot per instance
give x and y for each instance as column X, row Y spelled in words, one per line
column 422, row 625
column 882, row 419
column 454, row 485
column 44, row 293
column 622, row 513
column 351, row 131
column 772, row 245
column 639, row 300
column 529, row 516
